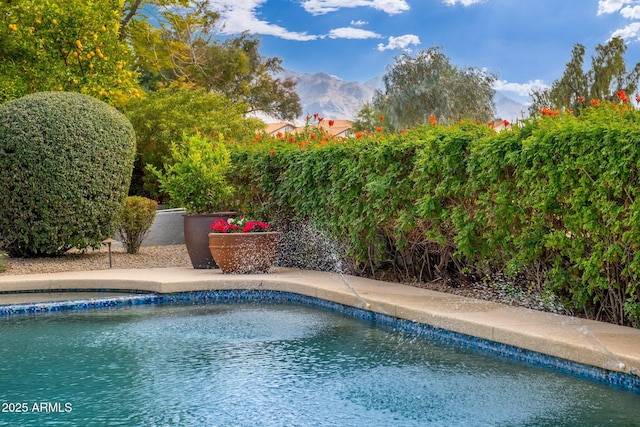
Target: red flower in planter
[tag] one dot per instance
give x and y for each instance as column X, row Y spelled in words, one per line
column 254, row 226
column 222, row 226
column 240, row 225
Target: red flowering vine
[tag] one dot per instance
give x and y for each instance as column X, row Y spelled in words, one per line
column 549, row 112
column 622, row 96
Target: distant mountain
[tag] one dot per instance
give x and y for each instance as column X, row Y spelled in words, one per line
column 336, row 99
column 329, row 96
column 508, row 109
column 375, row 83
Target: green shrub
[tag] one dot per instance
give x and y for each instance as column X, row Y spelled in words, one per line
column 554, row 202
column 137, row 217
column 65, row 167
column 3, row 262
column 196, row 180
column 578, row 178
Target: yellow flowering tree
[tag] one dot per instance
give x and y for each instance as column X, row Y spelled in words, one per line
column 49, row 45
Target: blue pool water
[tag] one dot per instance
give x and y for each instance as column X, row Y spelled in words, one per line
column 273, row 365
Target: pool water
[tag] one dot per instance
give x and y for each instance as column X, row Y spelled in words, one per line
column 272, row 365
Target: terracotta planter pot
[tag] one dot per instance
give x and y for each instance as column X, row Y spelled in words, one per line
column 196, row 230
column 244, row 252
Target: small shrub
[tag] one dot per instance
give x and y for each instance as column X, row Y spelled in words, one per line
column 137, row 218
column 3, row 262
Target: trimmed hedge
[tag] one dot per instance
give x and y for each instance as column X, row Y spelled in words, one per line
column 554, row 201
column 65, row 167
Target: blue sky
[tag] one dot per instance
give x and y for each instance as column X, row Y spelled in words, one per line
column 527, row 43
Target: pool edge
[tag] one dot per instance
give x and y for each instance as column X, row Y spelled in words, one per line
column 615, row 350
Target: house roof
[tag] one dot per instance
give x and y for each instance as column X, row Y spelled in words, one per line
column 284, row 127
column 337, row 127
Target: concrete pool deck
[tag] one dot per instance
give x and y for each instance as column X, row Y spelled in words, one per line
column 603, row 345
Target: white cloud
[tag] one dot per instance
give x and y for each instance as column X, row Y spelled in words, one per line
column 353, row 33
column 462, row 2
column 241, row 16
column 629, row 32
column 522, row 89
column 629, row 9
column 611, row 6
column 630, row 12
column 359, row 23
column 401, row 42
column 321, row 7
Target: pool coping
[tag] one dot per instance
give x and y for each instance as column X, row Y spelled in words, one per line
column 602, row 345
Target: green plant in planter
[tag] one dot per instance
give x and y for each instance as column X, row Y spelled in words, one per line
column 196, row 177
column 137, row 218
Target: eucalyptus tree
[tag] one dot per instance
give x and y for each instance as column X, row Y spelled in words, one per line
column 428, row 88
column 576, row 88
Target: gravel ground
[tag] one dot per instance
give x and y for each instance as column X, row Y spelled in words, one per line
column 498, row 290
column 149, row 257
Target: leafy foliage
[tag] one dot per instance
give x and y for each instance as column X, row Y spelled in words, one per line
column 196, row 178
column 371, row 119
column 553, row 202
column 182, row 46
column 65, row 167
column 162, row 117
column 48, row 45
column 137, row 217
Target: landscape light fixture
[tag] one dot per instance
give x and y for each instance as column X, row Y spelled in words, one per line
column 108, row 242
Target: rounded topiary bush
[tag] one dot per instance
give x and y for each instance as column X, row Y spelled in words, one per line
column 65, row 168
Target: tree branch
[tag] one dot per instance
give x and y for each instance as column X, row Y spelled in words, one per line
column 130, row 15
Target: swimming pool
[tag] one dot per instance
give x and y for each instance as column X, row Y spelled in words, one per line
column 273, row 364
